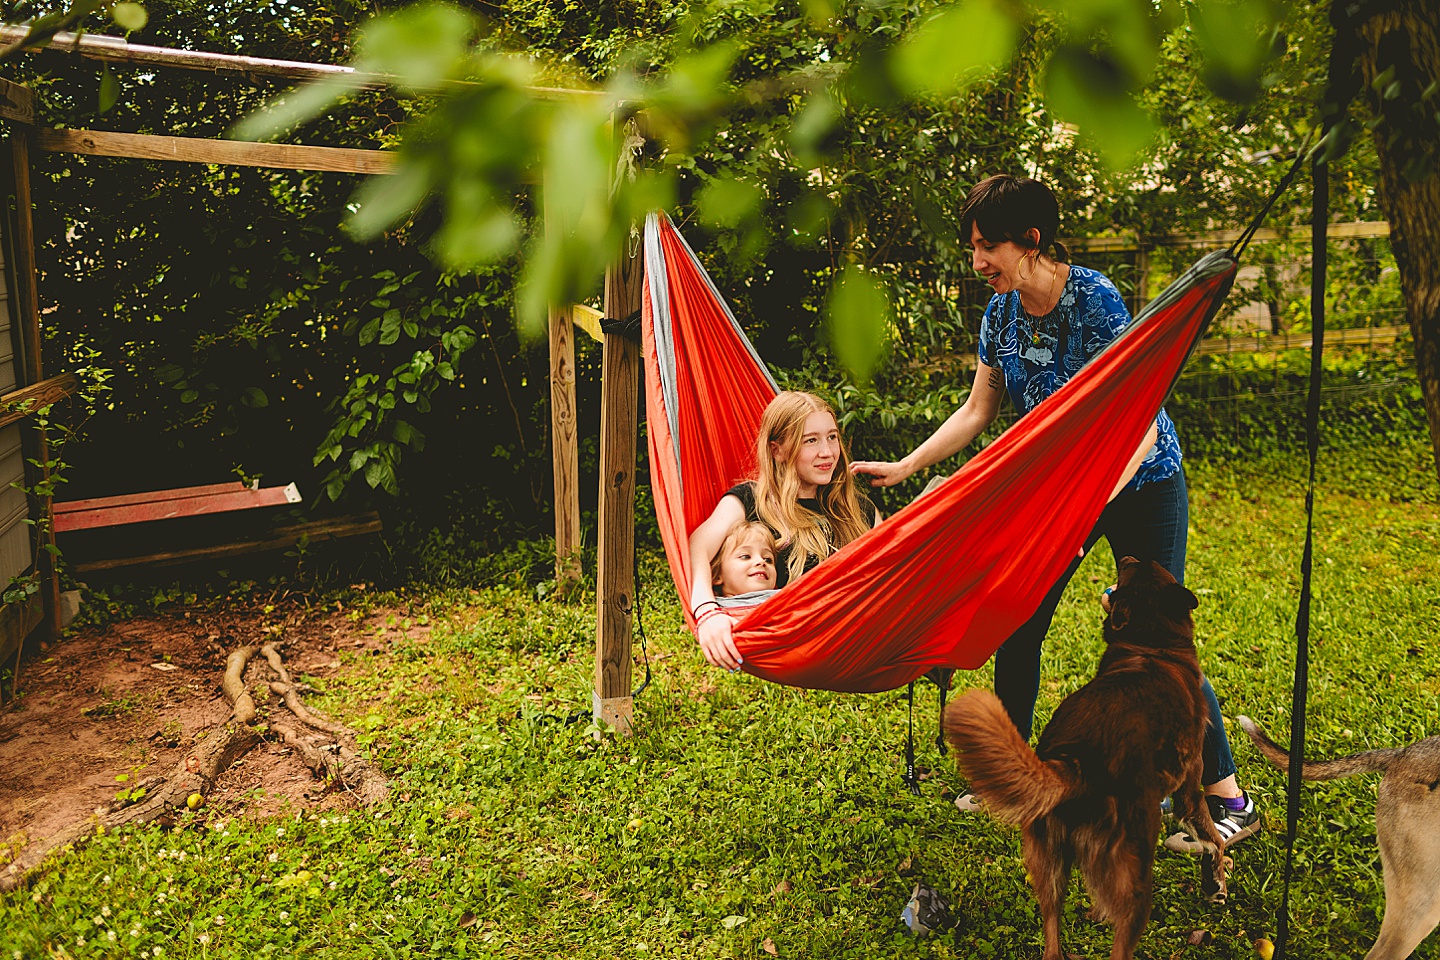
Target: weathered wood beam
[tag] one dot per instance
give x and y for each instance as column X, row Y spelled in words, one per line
column 105, row 49
column 16, row 102
column 312, row 532
column 588, row 319
column 140, row 146
column 19, row 404
column 564, row 449
column 1337, row 231
column 615, row 576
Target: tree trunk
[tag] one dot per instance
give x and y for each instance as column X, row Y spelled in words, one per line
column 1407, row 37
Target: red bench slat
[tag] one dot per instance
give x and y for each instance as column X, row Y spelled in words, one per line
column 149, row 496
column 161, row 505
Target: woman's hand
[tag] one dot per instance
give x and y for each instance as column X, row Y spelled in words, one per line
column 717, row 643
column 883, row 473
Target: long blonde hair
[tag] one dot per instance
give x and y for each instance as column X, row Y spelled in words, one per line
column 777, row 485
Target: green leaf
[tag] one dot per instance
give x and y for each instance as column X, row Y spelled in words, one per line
column 1235, row 42
column 383, row 200
column 254, row 397
column 1092, row 91
column 954, row 48
column 860, row 313
column 296, row 106
column 420, row 45
column 129, row 16
column 728, row 203
column 109, row 90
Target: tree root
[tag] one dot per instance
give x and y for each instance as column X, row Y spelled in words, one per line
column 162, row 797
column 196, row 773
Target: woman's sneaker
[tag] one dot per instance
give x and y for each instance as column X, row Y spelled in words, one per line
column 1234, row 824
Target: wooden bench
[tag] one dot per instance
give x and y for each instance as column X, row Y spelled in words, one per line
column 169, row 504
column 103, row 512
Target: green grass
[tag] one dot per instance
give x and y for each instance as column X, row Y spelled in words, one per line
column 742, row 812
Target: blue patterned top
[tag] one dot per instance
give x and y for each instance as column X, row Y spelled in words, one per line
column 1090, row 314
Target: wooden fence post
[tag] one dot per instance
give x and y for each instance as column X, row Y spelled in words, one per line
column 565, row 449
column 619, row 428
column 615, row 578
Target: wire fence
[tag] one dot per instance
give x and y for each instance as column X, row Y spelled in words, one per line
column 1249, row 377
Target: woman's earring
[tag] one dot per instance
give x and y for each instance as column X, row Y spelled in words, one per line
column 1023, row 277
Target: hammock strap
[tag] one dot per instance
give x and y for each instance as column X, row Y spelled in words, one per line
column 911, row 779
column 1243, row 241
column 1318, row 221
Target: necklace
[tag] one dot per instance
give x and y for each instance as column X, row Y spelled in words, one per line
column 1035, row 321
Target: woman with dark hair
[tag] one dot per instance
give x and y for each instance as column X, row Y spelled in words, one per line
column 1045, row 320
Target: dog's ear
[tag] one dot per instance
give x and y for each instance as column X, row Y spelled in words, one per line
column 1119, row 614
column 1181, row 596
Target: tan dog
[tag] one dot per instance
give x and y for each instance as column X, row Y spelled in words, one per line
column 1091, row 791
column 1407, row 825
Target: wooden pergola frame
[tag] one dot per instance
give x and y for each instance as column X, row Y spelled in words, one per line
column 619, row 418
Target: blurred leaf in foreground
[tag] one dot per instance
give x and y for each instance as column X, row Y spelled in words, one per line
column 859, row 318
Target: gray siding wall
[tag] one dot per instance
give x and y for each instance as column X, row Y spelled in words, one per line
column 16, row 554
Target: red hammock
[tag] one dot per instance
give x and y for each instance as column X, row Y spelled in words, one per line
column 947, row 579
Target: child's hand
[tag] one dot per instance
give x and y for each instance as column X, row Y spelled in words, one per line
column 717, row 644
column 1105, row 598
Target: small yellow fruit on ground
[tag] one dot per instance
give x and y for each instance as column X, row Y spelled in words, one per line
column 194, row 800
column 1264, row 948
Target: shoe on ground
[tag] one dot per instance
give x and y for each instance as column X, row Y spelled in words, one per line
column 969, row 803
column 1234, row 826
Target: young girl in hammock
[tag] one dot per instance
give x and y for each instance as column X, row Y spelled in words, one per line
column 803, row 491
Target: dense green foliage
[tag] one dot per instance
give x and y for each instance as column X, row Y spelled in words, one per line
column 743, row 812
column 250, row 333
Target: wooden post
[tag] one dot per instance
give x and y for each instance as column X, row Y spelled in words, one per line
column 27, row 299
column 1142, row 278
column 565, row 449
column 619, row 420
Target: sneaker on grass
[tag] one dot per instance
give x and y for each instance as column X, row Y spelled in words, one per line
column 1235, row 818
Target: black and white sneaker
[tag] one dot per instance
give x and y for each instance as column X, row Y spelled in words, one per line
column 1234, row 825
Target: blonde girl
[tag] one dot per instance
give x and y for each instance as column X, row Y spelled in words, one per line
column 803, row 491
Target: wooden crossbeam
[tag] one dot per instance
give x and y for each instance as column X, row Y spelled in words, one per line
column 16, row 102
column 168, row 505
column 107, row 49
column 244, row 153
column 588, row 319
column 313, row 531
column 21, row 403
column 1362, row 230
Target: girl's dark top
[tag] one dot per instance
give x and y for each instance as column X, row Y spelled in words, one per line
column 745, row 493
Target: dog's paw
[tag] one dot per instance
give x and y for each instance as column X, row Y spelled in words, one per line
column 1212, row 879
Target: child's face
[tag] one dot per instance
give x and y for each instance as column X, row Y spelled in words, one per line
column 819, row 452
column 747, row 566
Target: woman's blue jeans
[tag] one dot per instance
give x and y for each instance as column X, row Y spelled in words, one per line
column 1150, row 523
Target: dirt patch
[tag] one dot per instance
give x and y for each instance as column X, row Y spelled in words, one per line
column 129, row 699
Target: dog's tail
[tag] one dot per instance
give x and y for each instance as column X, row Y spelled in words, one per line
column 1371, row 761
column 1016, row 785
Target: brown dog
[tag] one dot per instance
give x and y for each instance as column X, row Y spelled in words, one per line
column 1407, row 826
column 1091, row 791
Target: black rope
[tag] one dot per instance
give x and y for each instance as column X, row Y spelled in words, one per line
column 1243, row 241
column 638, row 611
column 1319, row 218
column 912, row 780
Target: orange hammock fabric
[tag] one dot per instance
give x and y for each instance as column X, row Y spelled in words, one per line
column 947, row 579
